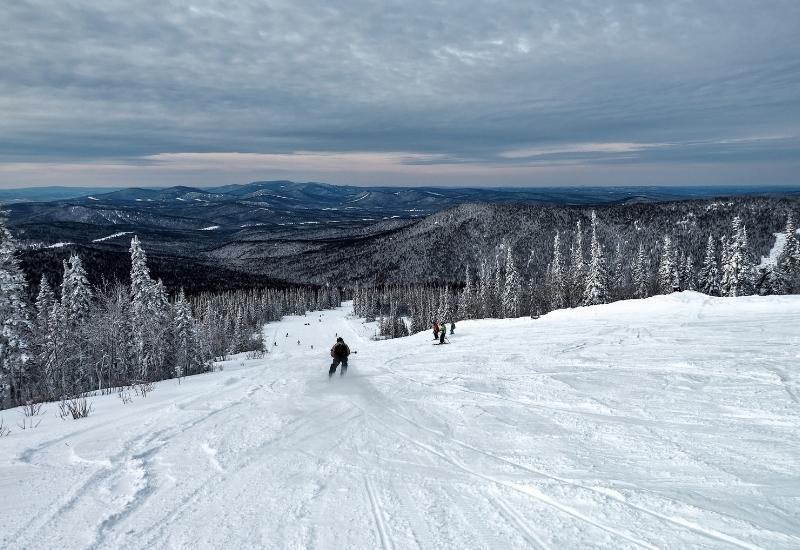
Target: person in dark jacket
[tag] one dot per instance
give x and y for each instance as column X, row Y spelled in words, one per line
column 339, row 352
column 435, row 327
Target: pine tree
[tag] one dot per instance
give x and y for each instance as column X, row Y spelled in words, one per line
column 577, row 268
column 666, row 268
column 640, row 274
column 142, row 307
column 45, row 301
column 187, row 358
column 76, row 293
column 788, row 262
column 597, row 279
column 15, row 319
column 466, row 300
column 689, row 276
column 616, row 275
column 498, row 283
column 709, row 273
column 737, row 269
column 558, row 282
column 512, row 289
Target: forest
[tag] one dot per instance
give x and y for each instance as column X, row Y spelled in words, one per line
column 63, row 339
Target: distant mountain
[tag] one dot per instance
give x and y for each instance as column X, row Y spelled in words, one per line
column 316, row 232
column 45, row 194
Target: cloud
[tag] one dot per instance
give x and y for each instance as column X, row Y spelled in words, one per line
column 469, row 83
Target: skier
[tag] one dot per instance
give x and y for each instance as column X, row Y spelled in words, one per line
column 435, row 330
column 339, row 352
column 443, row 333
column 452, row 327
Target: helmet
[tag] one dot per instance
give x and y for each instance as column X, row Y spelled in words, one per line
column 340, row 339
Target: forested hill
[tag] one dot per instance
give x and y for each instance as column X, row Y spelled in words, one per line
column 440, row 247
column 437, row 248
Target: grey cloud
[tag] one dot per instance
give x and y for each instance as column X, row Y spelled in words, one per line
column 468, row 80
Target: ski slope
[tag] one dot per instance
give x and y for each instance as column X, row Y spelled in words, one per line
column 671, row 422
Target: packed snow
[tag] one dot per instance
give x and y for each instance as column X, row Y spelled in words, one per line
column 114, row 236
column 209, row 228
column 671, row 422
column 59, row 245
column 775, row 251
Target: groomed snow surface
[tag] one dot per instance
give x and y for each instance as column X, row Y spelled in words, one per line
column 671, row 422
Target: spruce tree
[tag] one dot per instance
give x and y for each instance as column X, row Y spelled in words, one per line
column 558, row 282
column 466, row 300
column 788, row 262
column 16, row 325
column 640, row 274
column 142, row 307
column 512, row 289
column 709, row 273
column 737, row 269
column 577, row 267
column 597, row 278
column 666, row 268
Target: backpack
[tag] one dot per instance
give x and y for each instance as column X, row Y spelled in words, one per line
column 340, row 349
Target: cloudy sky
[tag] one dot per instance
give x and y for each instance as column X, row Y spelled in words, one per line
column 569, row 92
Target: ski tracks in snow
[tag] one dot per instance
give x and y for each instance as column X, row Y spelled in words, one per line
column 415, row 448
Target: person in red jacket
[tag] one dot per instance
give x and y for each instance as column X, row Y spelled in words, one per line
column 339, row 352
column 435, row 330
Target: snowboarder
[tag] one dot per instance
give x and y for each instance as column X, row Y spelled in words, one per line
column 435, row 330
column 339, row 352
column 442, row 333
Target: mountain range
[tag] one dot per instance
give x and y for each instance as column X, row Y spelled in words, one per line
column 281, row 231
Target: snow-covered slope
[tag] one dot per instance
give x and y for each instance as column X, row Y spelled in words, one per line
column 670, row 422
column 775, row 251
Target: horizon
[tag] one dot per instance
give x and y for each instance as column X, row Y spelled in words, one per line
column 677, row 187
column 528, row 94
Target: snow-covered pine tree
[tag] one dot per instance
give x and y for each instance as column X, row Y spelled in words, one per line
column 640, row 274
column 724, row 252
column 15, row 319
column 142, row 308
column 78, row 300
column 597, row 278
column 689, row 277
column 677, row 274
column 466, row 300
column 557, row 279
column 709, row 272
column 737, row 270
column 76, row 303
column 666, row 267
column 512, row 288
column 498, row 283
column 484, row 307
column 617, row 281
column 788, row 262
column 42, row 336
column 577, row 268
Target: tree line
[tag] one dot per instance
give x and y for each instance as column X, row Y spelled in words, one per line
column 586, row 272
column 77, row 338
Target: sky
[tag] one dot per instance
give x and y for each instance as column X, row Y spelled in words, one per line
column 450, row 92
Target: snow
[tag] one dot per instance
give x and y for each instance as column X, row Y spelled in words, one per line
column 209, row 228
column 114, row 236
column 59, row 245
column 361, row 198
column 93, row 198
column 775, row 251
column 670, row 422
